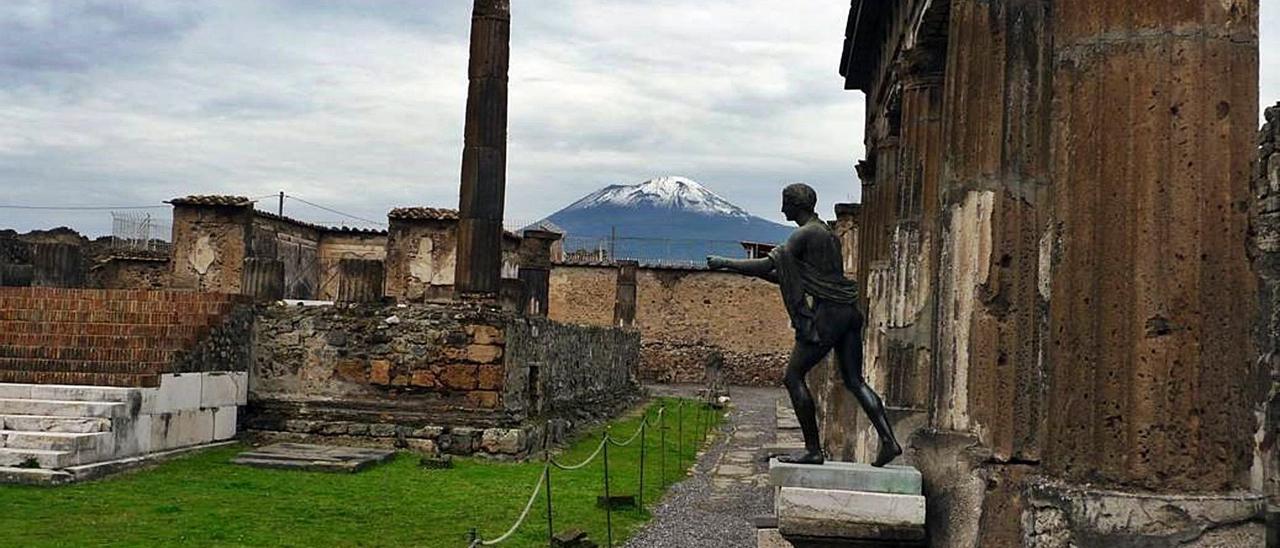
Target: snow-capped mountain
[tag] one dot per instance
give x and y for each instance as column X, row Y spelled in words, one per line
column 670, row 192
column 665, row 218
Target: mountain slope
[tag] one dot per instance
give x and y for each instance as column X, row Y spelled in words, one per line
column 666, row 218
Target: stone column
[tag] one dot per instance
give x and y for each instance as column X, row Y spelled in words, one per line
column 484, row 155
column 624, row 308
column 535, row 269
column 1153, row 126
column 848, row 219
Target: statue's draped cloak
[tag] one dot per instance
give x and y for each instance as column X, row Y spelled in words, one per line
column 807, row 282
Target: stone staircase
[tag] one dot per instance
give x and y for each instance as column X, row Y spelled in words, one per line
column 95, row 376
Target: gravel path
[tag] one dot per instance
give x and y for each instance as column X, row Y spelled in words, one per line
column 729, row 485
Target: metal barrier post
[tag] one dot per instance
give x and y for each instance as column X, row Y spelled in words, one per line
column 640, row 493
column 662, row 431
column 608, row 503
column 546, row 451
column 680, row 437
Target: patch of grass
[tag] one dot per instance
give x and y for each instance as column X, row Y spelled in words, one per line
column 203, row 500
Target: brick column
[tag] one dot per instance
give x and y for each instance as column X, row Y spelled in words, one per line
column 210, row 242
column 484, row 155
column 624, row 308
column 535, row 269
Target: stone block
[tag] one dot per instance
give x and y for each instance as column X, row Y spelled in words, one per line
column 221, row 389
column 846, row 476
column 483, row 398
column 15, row 391
column 424, row 378
column 181, row 428
column 178, row 392
column 351, row 370
column 380, row 372
column 489, row 377
column 424, row 447
column 483, row 353
column 429, row 432
column 804, row 512
column 507, row 441
column 224, row 423
column 771, row 538
column 485, row 334
column 459, row 377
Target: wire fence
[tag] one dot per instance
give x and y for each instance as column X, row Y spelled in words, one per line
column 705, row 419
column 650, row 251
column 137, row 231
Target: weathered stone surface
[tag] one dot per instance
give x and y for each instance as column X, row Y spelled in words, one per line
column 380, row 371
column 297, row 456
column 485, row 334
column 503, row 440
column 849, row 514
column 459, row 376
column 489, row 377
column 846, row 476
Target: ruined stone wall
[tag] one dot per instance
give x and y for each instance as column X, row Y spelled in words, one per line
column 1265, row 250
column 295, row 245
column 421, row 257
column 210, row 244
column 132, row 272
column 458, row 378
column 338, row 245
column 686, row 318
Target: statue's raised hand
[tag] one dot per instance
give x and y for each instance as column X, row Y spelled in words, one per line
column 716, row 262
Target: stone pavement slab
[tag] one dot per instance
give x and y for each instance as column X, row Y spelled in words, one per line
column 324, row 458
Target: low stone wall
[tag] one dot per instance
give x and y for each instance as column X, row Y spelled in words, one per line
column 442, row 377
column 685, row 316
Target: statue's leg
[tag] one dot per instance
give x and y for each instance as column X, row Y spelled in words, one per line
column 804, row 356
column 849, row 356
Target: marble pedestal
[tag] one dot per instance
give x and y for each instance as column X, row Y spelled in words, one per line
column 847, row 503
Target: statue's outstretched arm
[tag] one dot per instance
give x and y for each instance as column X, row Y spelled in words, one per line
column 760, row 268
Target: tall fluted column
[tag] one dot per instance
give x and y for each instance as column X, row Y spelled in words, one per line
column 484, row 154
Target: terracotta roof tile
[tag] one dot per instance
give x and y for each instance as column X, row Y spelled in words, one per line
column 212, row 200
column 423, row 213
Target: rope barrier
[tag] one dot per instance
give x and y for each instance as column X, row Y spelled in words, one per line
column 520, row 520
column 544, row 477
column 603, row 441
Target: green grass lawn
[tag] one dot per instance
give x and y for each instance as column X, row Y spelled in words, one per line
column 203, row 500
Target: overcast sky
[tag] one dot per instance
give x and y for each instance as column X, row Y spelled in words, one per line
column 359, row 105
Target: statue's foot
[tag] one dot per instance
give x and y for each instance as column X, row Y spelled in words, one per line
column 808, row 457
column 888, row 451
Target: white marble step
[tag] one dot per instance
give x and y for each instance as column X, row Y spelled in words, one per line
column 45, row 423
column 45, row 459
column 67, row 392
column 57, row 441
column 62, row 408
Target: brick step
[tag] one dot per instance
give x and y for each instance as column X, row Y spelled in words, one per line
column 97, row 341
column 89, row 354
column 128, row 380
column 103, row 329
column 62, row 408
column 89, row 305
column 36, row 365
column 44, row 423
column 45, row 459
column 75, row 442
column 120, row 294
column 64, row 392
column 147, row 318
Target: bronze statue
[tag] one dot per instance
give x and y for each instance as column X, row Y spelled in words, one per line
column 822, row 304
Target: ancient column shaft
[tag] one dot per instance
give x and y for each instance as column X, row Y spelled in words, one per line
column 484, row 155
column 1152, row 363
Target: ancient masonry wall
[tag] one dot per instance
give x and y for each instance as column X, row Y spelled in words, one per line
column 687, row 318
column 1052, row 247
column 455, row 378
column 1265, row 250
